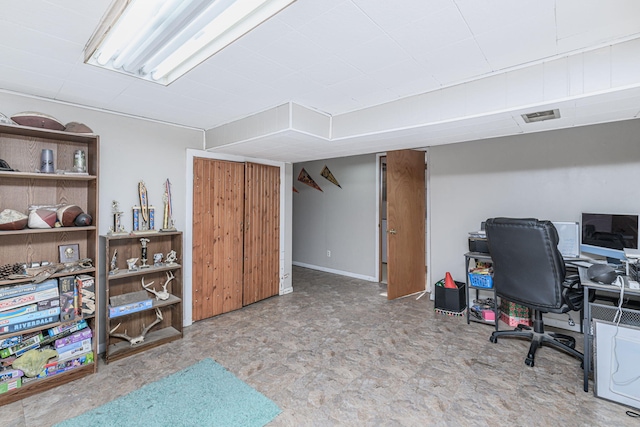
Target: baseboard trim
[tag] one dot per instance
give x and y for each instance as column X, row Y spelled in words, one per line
column 333, row 271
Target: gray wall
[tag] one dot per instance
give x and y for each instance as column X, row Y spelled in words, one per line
column 341, row 220
column 552, row 175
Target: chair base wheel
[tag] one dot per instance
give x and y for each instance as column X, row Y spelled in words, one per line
column 493, row 339
column 529, row 361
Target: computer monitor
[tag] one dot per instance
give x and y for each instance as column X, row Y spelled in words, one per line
column 608, row 234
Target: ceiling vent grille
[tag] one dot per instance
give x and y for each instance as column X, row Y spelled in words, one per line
column 541, row 116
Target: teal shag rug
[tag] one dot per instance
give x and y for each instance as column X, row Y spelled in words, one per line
column 204, row 394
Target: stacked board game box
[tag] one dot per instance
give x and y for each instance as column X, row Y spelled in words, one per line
column 29, row 305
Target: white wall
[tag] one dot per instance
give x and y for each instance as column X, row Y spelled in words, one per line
column 341, row 220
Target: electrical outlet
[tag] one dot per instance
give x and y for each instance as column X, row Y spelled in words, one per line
column 328, row 254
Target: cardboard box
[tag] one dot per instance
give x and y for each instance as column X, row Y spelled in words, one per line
column 73, row 338
column 74, row 349
column 514, row 314
column 56, row 366
column 449, row 299
column 488, row 315
column 512, row 309
column 11, row 384
column 515, row 321
column 43, row 291
column 68, row 298
column 87, row 295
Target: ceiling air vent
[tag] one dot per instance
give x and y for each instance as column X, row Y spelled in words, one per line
column 541, row 116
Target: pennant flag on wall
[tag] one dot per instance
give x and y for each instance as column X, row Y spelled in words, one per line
column 305, row 178
column 327, row 174
column 295, row 190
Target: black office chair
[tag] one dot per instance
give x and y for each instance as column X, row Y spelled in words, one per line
column 528, row 269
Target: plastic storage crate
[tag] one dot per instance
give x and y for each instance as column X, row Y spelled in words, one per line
column 480, row 281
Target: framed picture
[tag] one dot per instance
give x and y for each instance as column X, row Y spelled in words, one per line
column 69, row 253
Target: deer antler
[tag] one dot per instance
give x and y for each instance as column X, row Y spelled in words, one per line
column 159, row 319
column 140, row 338
column 170, row 277
column 160, row 295
column 123, row 336
column 145, row 286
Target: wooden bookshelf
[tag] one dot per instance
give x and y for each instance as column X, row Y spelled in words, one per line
column 20, row 147
column 124, row 281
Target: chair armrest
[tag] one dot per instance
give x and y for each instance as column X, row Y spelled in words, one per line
column 572, row 292
column 572, row 282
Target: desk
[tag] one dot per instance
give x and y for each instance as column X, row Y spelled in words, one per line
column 604, row 312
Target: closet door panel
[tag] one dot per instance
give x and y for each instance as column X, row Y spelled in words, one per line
column 218, row 212
column 262, row 233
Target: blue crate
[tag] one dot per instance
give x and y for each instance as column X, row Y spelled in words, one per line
column 480, row 281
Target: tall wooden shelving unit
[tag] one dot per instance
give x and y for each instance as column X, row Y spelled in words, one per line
column 126, row 282
column 21, row 148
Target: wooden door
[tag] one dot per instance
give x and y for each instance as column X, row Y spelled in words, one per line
column 261, row 233
column 218, row 212
column 405, row 223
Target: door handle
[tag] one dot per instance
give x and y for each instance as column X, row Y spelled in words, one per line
column 392, row 231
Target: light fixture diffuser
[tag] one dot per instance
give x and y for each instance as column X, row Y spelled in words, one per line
column 541, row 116
column 161, row 40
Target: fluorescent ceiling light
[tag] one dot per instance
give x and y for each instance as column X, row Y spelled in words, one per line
column 160, row 40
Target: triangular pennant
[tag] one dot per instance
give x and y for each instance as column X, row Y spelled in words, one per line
column 305, row 178
column 295, row 190
column 327, row 174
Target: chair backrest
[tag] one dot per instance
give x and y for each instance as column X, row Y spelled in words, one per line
column 528, row 268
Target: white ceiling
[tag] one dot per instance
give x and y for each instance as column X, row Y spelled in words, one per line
column 435, row 65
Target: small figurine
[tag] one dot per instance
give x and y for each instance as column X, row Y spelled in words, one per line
column 157, row 259
column 131, row 264
column 171, row 258
column 114, row 263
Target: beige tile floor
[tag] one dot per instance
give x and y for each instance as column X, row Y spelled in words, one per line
column 336, row 353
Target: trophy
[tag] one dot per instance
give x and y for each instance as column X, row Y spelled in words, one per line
column 117, row 228
column 167, row 223
column 143, row 255
column 143, row 215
